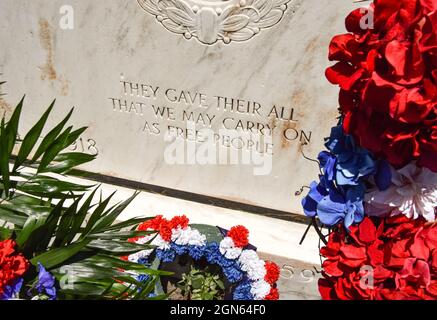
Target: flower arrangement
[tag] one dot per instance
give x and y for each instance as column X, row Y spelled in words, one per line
column 250, row 277
column 56, row 240
column 377, row 192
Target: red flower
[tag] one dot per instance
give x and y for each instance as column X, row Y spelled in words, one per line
column 240, row 236
column 179, row 221
column 397, row 253
column 273, row 295
column 388, row 80
column 12, row 264
column 163, row 226
column 272, row 272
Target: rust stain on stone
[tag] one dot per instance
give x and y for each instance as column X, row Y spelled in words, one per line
column 285, row 143
column 46, row 40
column 4, row 106
column 65, row 86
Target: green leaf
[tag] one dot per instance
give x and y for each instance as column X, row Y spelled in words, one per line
column 57, row 256
column 5, row 233
column 67, row 161
column 97, row 214
column 33, row 222
column 119, row 235
column 65, row 223
column 113, row 214
column 31, row 138
column 12, row 217
column 26, row 209
column 73, row 136
column 11, row 130
column 125, row 224
column 54, row 149
column 43, row 235
column 49, row 187
column 8, row 136
column 50, row 137
column 79, row 218
column 117, row 247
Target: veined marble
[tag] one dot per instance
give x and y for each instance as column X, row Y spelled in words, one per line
column 133, row 81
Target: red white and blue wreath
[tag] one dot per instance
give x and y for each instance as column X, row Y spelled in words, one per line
column 251, row 277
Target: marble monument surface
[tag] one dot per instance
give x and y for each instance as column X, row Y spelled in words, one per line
column 224, row 99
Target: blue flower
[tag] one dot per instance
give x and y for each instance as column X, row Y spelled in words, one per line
column 383, row 175
column 46, row 283
column 196, row 252
column 337, row 206
column 180, row 250
column 334, row 204
column 166, row 255
column 212, row 253
column 327, row 164
column 242, row 292
column 233, row 274
column 317, row 192
column 352, row 163
column 13, row 290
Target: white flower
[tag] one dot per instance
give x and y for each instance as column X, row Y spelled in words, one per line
column 188, row 236
column 413, row 193
column 161, row 243
column 138, row 255
column 145, row 239
column 252, row 264
column 228, row 249
column 260, row 289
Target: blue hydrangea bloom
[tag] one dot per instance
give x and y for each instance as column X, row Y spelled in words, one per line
column 224, row 262
column 212, row 253
column 336, row 207
column 334, row 204
column 317, row 192
column 46, row 283
column 166, row 255
column 12, row 291
column 180, row 250
column 351, row 162
column 196, row 252
column 233, row 274
column 242, row 292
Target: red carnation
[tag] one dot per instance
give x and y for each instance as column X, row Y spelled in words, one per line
column 12, row 264
column 399, row 254
column 273, row 295
column 240, row 236
column 388, row 80
column 179, row 221
column 272, row 272
column 153, row 224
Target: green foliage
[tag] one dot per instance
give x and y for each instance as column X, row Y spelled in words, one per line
column 58, row 223
column 201, row 285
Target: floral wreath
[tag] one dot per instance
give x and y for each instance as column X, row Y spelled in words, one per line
column 254, row 279
column 377, row 191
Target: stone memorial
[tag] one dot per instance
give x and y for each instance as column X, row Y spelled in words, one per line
column 219, row 100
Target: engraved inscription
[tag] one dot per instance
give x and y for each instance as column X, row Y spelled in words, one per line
column 211, row 21
column 160, row 110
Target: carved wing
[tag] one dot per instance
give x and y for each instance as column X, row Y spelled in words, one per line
column 240, row 23
column 175, row 15
column 230, row 22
